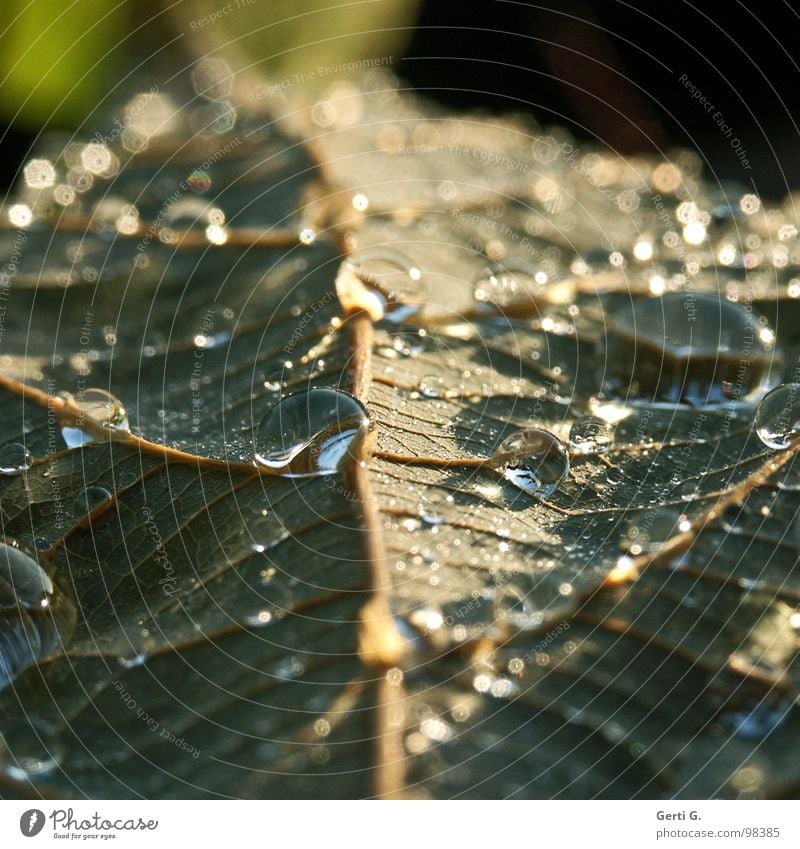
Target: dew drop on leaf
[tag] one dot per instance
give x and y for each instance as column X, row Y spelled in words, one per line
column 14, row 458
column 392, row 278
column 687, row 348
column 102, row 409
column 22, row 580
column 534, row 460
column 777, row 419
column 29, row 749
column 310, row 432
column 90, row 499
column 590, row 435
column 513, row 289
column 434, row 506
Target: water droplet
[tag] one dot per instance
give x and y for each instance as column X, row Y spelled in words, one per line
column 307, row 236
column 689, row 348
column 391, row 278
column 434, row 507
column 102, row 409
column 431, row 386
column 14, row 458
column 90, row 499
column 590, row 435
column 777, row 420
column 651, row 528
column 22, row 580
column 513, row 288
column 310, row 432
column 29, row 749
column 534, row 460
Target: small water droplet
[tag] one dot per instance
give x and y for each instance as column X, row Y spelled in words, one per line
column 29, row 749
column 310, row 432
column 307, row 236
column 534, row 460
column 90, row 499
column 431, row 386
column 433, row 508
column 14, row 458
column 513, row 288
column 777, row 420
column 590, row 435
column 651, row 528
column 687, row 348
column 392, row 278
column 102, row 409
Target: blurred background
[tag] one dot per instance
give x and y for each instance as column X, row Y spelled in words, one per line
column 721, row 79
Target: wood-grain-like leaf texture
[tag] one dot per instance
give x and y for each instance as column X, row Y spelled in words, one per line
column 412, row 623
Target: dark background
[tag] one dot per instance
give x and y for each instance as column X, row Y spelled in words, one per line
column 611, row 71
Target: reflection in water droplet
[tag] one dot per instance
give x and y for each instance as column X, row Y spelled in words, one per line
column 590, row 434
column 777, row 419
column 392, row 278
column 311, row 432
column 29, row 749
column 689, row 348
column 102, row 409
column 513, row 288
column 14, row 458
column 534, row 460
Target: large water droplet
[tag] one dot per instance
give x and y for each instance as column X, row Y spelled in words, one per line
column 100, row 408
column 22, row 580
column 29, row 749
column 512, row 288
column 777, row 419
column 590, row 435
column 392, row 278
column 533, row 460
column 35, row 617
column 691, row 349
column 14, row 458
column 310, row 433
